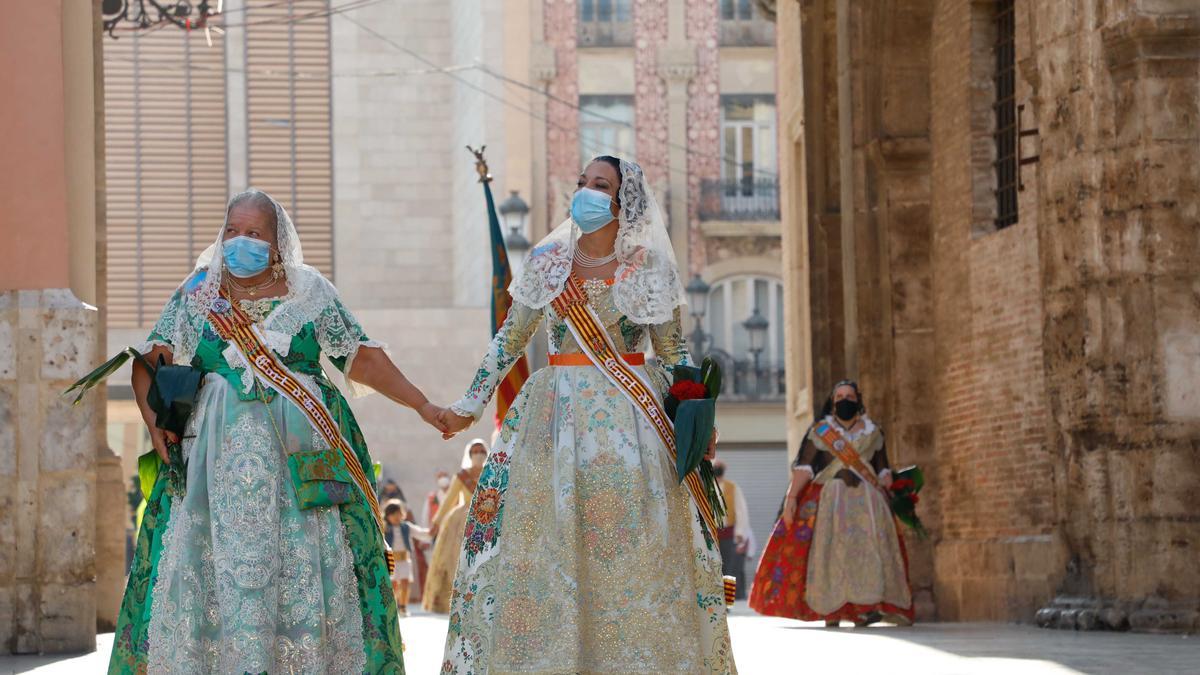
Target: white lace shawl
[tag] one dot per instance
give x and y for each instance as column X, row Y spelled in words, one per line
column 647, row 288
column 311, row 298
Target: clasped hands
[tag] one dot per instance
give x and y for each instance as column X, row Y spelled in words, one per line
column 444, row 420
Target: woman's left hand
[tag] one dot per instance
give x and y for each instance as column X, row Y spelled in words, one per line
column 711, row 454
column 886, row 480
column 432, row 415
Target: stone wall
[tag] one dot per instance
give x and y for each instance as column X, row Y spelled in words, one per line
column 1044, row 374
column 1119, row 94
column 47, row 474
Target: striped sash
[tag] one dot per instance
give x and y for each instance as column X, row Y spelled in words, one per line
column 572, row 305
column 236, row 328
column 844, row 450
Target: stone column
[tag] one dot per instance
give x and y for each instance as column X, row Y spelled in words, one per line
column 48, row 335
column 1119, row 197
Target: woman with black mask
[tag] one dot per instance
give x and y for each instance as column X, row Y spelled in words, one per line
column 836, row 553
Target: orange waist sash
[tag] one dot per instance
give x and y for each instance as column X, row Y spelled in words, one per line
column 581, row 359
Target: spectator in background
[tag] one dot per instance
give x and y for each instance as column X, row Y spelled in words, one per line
column 400, row 535
column 389, row 491
column 735, row 537
column 435, row 498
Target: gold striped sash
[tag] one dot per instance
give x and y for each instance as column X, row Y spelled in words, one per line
column 572, row 305
column 843, row 449
column 235, row 327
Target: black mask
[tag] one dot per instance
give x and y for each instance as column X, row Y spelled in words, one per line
column 845, row 409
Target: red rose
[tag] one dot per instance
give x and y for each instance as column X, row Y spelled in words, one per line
column 687, row 390
column 914, row 499
column 903, row 484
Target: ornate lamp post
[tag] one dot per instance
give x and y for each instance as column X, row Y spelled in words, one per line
column 697, row 294
column 513, row 212
column 756, row 327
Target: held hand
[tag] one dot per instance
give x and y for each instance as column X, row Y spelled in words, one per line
column 159, row 440
column 711, row 453
column 432, row 415
column 454, row 423
column 886, row 481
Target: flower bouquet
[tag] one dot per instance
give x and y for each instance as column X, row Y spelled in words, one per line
column 691, row 403
column 905, row 486
column 172, row 397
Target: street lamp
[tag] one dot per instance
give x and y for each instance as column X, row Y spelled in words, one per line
column 756, row 326
column 697, row 294
column 513, row 211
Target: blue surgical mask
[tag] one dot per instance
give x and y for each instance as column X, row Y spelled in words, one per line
column 590, row 209
column 245, row 257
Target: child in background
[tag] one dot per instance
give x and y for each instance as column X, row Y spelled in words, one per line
column 400, row 535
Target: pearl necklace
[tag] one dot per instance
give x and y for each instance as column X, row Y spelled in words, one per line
column 588, row 262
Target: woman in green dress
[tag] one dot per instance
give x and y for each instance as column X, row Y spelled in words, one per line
column 269, row 559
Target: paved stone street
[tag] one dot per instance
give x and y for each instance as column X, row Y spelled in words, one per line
column 766, row 646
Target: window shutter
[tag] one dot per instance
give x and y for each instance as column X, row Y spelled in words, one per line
column 288, row 117
column 165, row 164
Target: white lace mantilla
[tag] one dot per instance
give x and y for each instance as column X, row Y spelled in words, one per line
column 647, row 288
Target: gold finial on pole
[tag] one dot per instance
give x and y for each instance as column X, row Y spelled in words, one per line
column 481, row 164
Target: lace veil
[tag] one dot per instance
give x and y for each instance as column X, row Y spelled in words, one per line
column 647, row 289
column 311, row 297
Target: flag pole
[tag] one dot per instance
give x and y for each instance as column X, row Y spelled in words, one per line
column 510, row 385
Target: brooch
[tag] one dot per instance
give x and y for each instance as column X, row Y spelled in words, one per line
column 220, row 306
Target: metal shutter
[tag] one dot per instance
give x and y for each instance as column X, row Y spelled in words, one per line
column 164, row 107
column 288, row 120
column 762, row 473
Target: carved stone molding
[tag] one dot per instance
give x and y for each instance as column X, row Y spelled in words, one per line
column 677, row 64
column 1143, row 38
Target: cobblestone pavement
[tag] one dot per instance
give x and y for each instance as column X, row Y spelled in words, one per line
column 766, row 646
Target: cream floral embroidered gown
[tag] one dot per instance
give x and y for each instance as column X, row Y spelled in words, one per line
column 582, row 554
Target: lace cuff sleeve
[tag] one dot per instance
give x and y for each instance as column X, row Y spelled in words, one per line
column 340, row 337
column 506, row 347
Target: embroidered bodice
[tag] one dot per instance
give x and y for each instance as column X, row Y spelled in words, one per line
column 301, row 352
column 522, row 323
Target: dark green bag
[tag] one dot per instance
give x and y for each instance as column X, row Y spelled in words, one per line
column 172, row 397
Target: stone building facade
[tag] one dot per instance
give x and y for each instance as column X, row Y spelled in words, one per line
column 990, row 221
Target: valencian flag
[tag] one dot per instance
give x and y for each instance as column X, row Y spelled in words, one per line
column 501, row 300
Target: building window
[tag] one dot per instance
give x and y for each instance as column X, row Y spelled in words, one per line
column 731, row 302
column 742, row 24
column 605, row 23
column 606, row 127
column 749, row 184
column 1006, row 133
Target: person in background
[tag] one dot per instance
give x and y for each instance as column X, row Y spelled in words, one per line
column 423, row 551
column 436, row 498
column 448, row 526
column 390, row 491
column 836, row 554
column 401, row 533
column 735, row 537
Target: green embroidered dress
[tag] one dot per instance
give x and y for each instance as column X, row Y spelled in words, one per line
column 255, row 567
